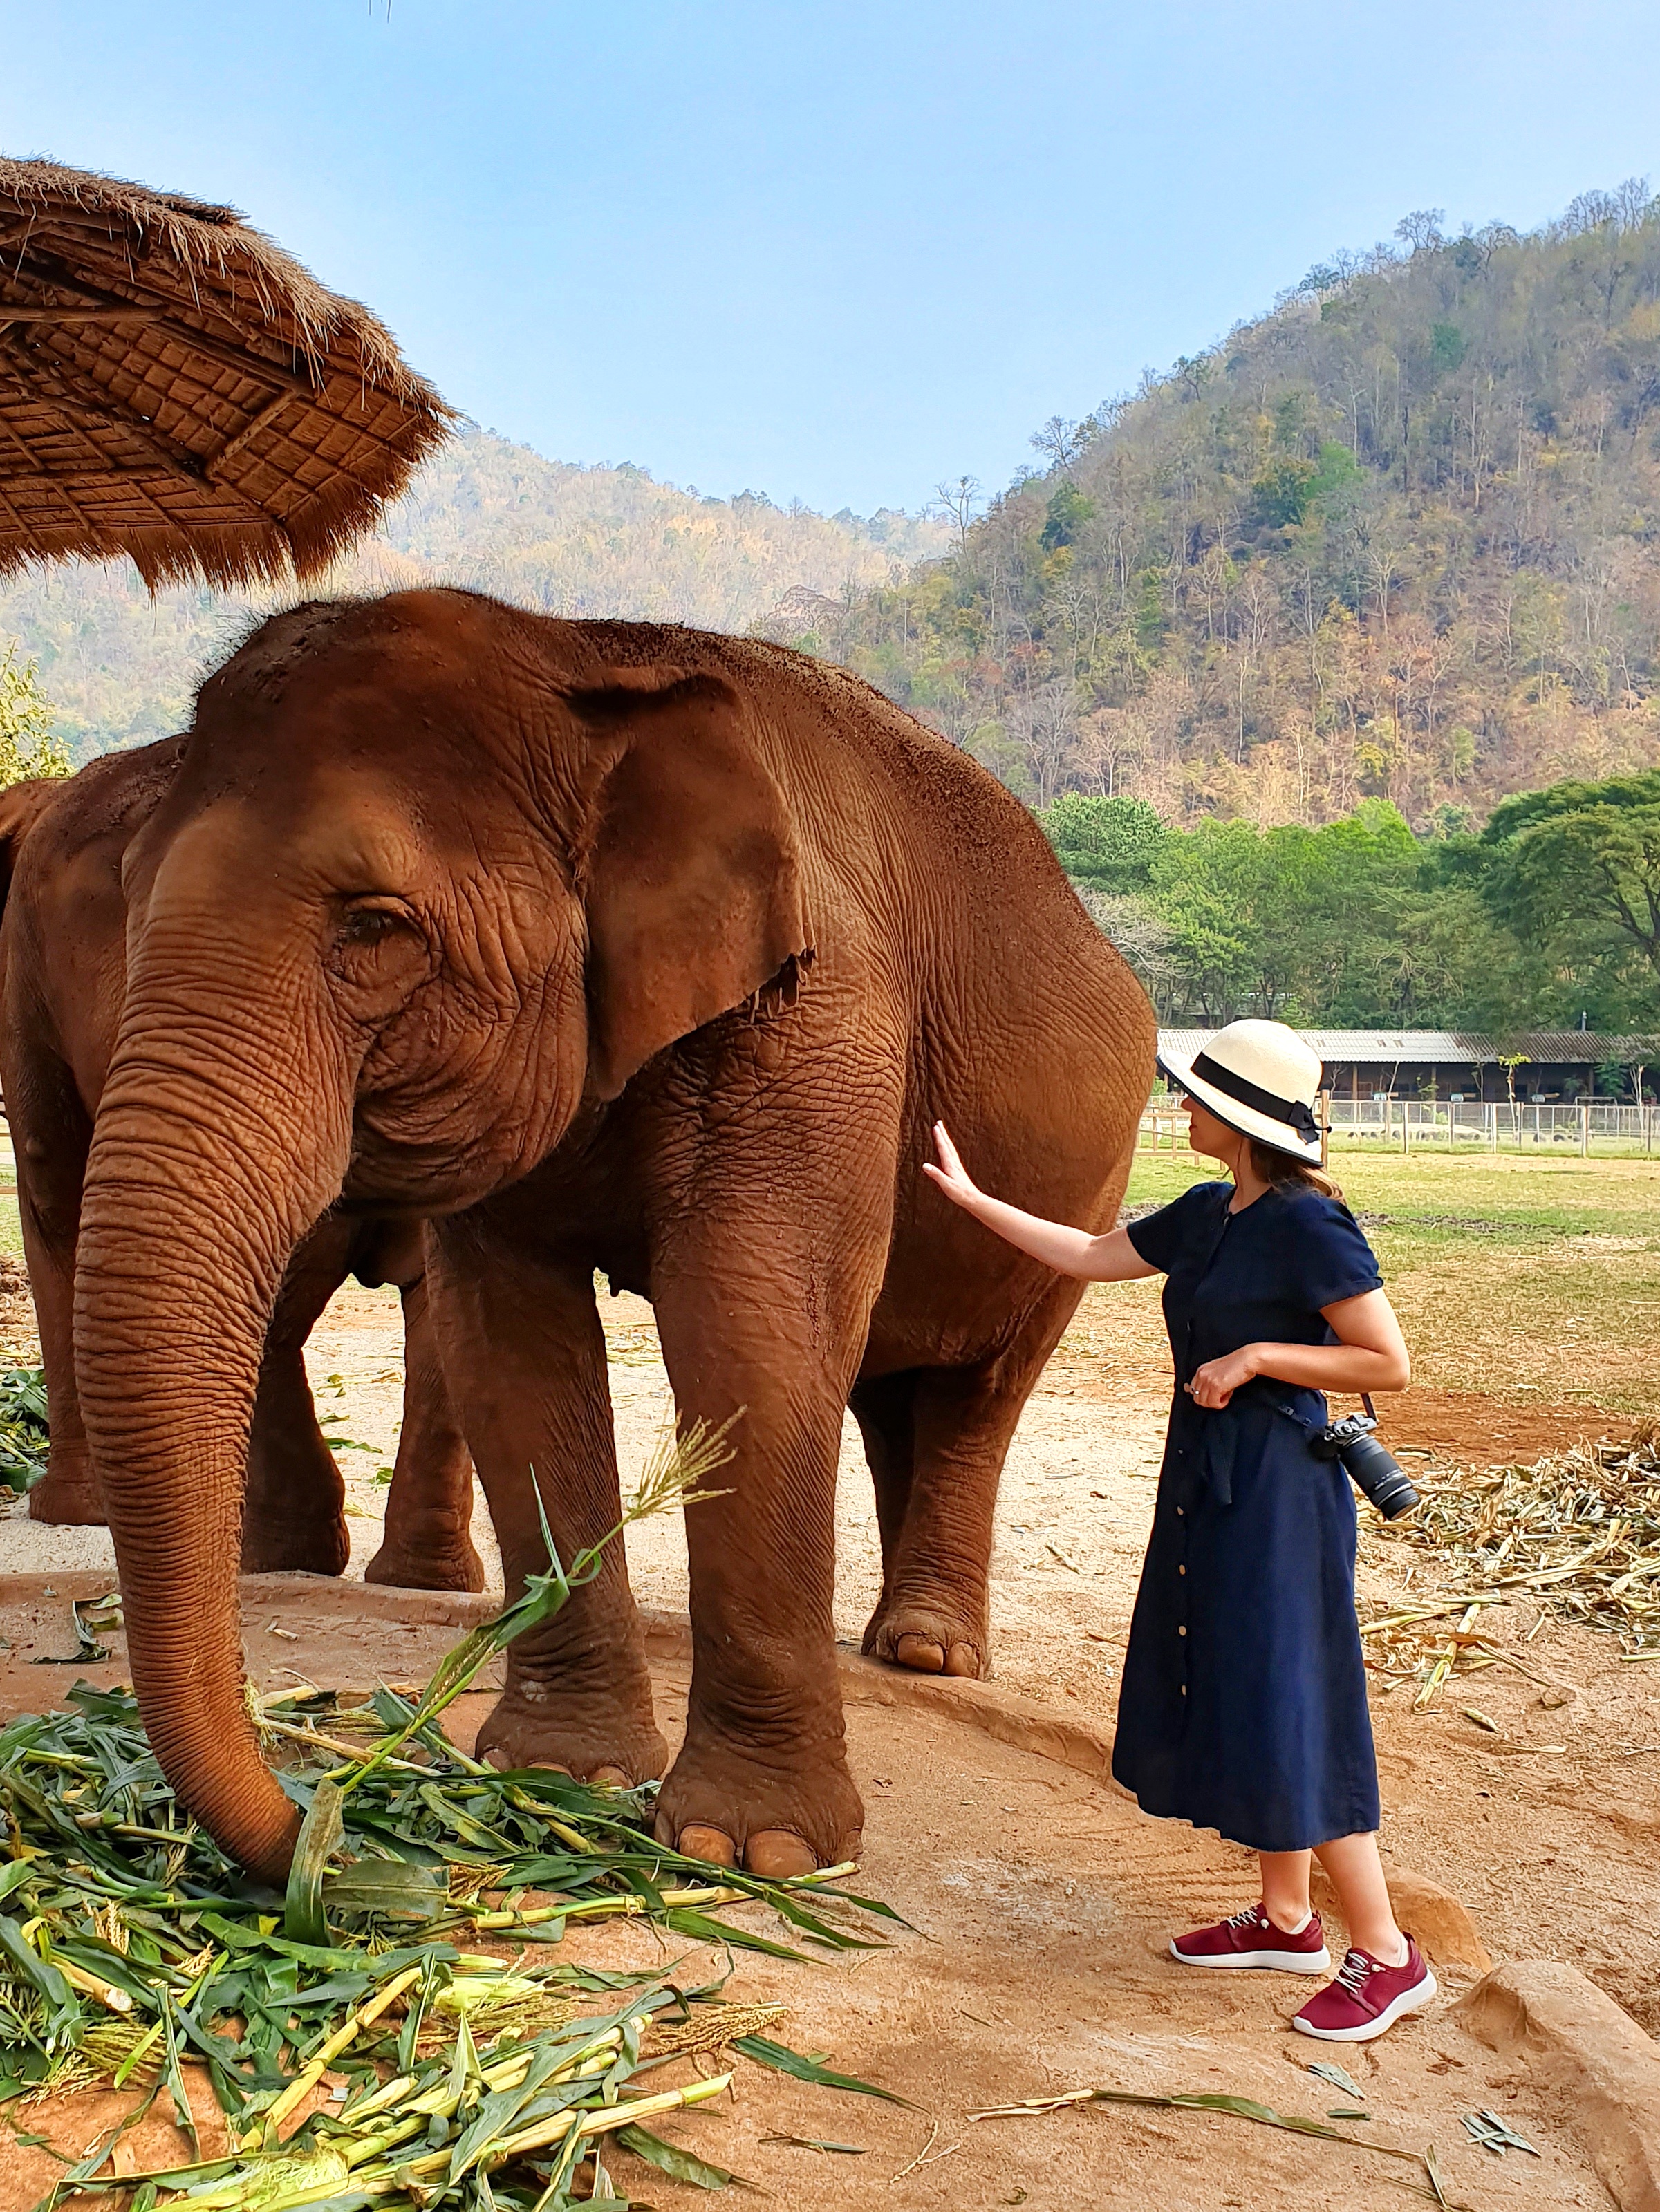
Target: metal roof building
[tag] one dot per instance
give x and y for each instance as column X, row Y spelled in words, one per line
column 1464, row 1063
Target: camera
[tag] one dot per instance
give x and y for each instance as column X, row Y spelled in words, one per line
column 1373, row 1471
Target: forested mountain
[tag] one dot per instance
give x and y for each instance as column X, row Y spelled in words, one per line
column 1400, row 538
column 118, row 668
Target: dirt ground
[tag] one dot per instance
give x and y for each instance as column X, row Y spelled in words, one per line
column 1045, row 1898
column 1041, row 1903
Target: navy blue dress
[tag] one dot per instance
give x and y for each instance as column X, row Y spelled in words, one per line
column 1242, row 1706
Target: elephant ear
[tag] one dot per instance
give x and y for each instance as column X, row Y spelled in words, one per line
column 692, row 876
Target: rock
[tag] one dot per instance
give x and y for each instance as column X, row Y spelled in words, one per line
column 1574, row 2038
column 1442, row 1927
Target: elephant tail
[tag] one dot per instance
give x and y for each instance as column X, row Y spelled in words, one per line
column 21, row 806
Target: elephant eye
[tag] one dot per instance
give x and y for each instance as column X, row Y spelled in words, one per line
column 368, row 920
column 365, row 927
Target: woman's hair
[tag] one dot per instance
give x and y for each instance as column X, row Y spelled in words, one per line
column 1281, row 1172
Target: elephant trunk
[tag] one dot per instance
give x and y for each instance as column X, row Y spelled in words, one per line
column 214, row 1153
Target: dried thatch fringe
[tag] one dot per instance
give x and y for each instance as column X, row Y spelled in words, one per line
column 175, row 387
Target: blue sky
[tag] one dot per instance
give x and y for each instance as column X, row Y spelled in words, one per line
column 837, row 252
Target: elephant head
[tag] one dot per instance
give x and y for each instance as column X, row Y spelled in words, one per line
column 436, row 878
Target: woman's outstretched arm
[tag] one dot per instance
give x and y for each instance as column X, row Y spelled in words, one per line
column 1107, row 1259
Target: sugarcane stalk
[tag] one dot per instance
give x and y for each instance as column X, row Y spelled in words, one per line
column 1444, row 1666
column 554, row 2129
column 306, row 2080
column 92, row 1985
column 607, row 1908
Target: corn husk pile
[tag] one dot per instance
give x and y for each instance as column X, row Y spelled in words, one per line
column 1576, row 1534
column 131, row 1944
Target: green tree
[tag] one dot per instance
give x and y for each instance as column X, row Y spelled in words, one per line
column 26, row 744
column 1108, row 843
column 1282, row 493
column 1067, row 511
column 1575, row 871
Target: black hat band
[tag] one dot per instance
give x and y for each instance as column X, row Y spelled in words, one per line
column 1291, row 1111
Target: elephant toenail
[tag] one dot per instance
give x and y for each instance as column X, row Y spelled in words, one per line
column 712, row 1844
column 609, row 1777
column 919, row 1653
column 964, row 1660
column 773, row 1853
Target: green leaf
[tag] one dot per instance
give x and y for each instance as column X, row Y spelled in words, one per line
column 669, row 2158
column 817, row 2143
column 783, row 2060
column 391, row 1888
column 706, row 1929
column 303, row 1921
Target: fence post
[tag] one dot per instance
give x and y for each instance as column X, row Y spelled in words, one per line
column 1584, row 1130
column 1406, row 1127
column 1492, row 1141
column 1323, row 1106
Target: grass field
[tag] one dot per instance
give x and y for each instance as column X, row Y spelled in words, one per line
column 1513, row 1276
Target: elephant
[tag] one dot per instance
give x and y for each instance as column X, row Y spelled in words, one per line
column 613, row 947
column 62, row 982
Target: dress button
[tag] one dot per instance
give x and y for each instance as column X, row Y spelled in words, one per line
column 1181, row 1512
column 1181, row 1570
column 1184, row 1689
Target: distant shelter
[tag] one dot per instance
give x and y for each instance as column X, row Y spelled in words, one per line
column 1548, row 1065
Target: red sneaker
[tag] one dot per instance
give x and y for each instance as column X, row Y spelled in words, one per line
column 1251, row 1939
column 1366, row 1997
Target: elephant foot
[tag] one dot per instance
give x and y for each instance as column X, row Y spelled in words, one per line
column 738, row 1808
column 321, row 1548
column 459, row 1567
column 67, row 1501
column 593, row 1736
column 930, row 1639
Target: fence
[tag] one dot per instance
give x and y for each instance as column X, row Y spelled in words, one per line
column 1404, row 1125
column 1399, row 1124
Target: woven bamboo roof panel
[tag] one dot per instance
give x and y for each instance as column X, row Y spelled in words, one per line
column 175, row 387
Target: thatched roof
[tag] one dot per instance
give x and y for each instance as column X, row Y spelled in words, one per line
column 176, row 387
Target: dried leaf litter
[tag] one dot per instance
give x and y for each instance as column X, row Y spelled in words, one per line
column 1575, row 1533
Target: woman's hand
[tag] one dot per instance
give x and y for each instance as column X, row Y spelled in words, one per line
column 952, row 1177
column 1215, row 1383
column 1108, row 1259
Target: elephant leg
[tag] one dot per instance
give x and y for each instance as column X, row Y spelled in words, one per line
column 50, row 1168
column 521, row 1344
column 934, row 1611
column 763, row 1309
column 427, row 1544
column 294, row 1508
column 885, row 1407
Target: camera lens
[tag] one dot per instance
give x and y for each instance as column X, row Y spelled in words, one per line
column 1381, row 1477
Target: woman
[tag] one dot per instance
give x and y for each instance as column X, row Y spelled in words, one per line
column 1244, row 1701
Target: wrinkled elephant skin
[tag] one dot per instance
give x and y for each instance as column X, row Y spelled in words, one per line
column 62, row 978
column 615, row 946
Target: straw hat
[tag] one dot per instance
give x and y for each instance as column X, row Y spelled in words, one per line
column 1261, row 1078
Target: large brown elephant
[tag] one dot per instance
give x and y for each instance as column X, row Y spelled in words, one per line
column 62, row 980
column 617, row 946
